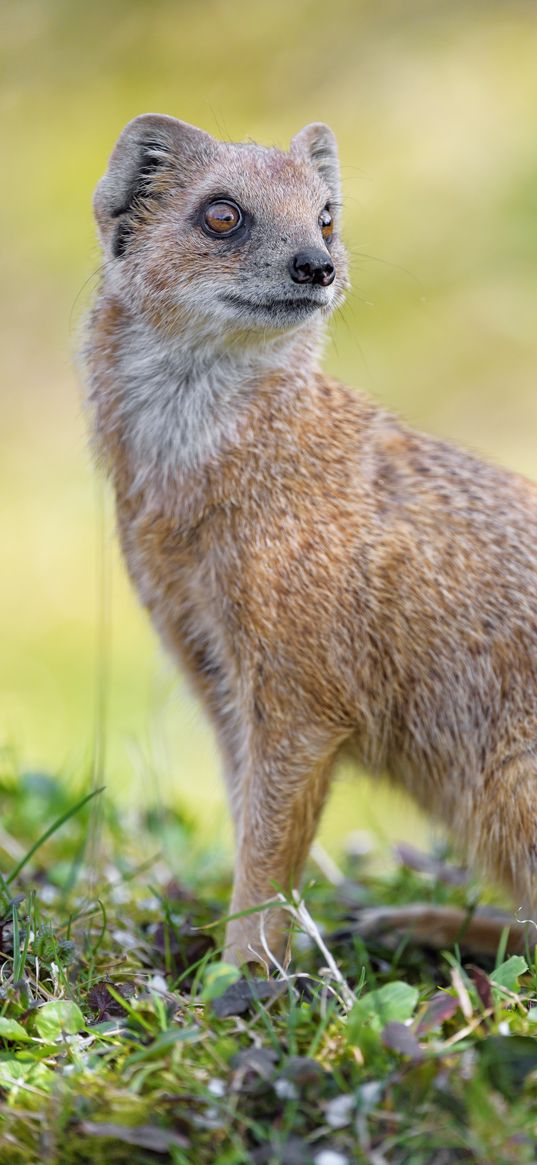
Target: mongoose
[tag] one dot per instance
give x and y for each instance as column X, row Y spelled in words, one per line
column 328, row 578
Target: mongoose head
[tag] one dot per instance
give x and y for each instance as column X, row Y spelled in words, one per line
column 229, row 238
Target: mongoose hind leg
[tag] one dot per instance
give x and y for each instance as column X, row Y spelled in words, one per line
column 502, row 831
column 497, row 823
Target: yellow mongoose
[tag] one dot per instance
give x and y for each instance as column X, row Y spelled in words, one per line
column 327, row 577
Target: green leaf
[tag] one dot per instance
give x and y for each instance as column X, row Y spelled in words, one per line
column 11, row 1030
column 394, row 1002
column 13, row 1071
column 164, row 1043
column 58, row 1017
column 217, row 979
column 508, row 973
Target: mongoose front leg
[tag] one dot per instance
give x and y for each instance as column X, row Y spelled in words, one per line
column 282, row 802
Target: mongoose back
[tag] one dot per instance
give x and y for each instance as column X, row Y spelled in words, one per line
column 327, row 578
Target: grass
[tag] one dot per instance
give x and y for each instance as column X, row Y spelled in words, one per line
column 124, row 1038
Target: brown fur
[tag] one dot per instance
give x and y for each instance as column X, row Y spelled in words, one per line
column 329, row 578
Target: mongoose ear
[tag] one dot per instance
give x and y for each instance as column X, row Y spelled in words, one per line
column 148, row 159
column 317, row 143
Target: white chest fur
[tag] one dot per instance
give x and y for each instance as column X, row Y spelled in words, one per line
column 180, row 403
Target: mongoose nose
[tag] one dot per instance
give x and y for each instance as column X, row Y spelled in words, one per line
column 313, row 266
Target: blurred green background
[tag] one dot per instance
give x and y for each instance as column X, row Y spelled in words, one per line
column 435, row 108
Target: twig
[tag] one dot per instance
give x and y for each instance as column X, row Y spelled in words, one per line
column 298, row 911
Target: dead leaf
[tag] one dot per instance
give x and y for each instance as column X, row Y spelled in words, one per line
column 400, row 1038
column 143, row 1136
column 482, row 985
column 101, row 1001
column 440, row 1008
column 242, row 996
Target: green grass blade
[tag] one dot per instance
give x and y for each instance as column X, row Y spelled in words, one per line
column 49, row 832
column 16, row 946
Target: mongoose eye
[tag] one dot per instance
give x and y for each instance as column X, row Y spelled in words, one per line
column 326, row 223
column 222, row 217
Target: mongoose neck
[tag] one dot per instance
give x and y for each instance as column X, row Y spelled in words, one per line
column 176, row 403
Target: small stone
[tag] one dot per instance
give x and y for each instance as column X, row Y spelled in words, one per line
column 216, row 1086
column 285, row 1089
column 339, row 1111
column 358, row 844
column 369, row 1095
column 158, row 984
column 330, row 1157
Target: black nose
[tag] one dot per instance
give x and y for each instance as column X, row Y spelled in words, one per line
column 312, row 266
